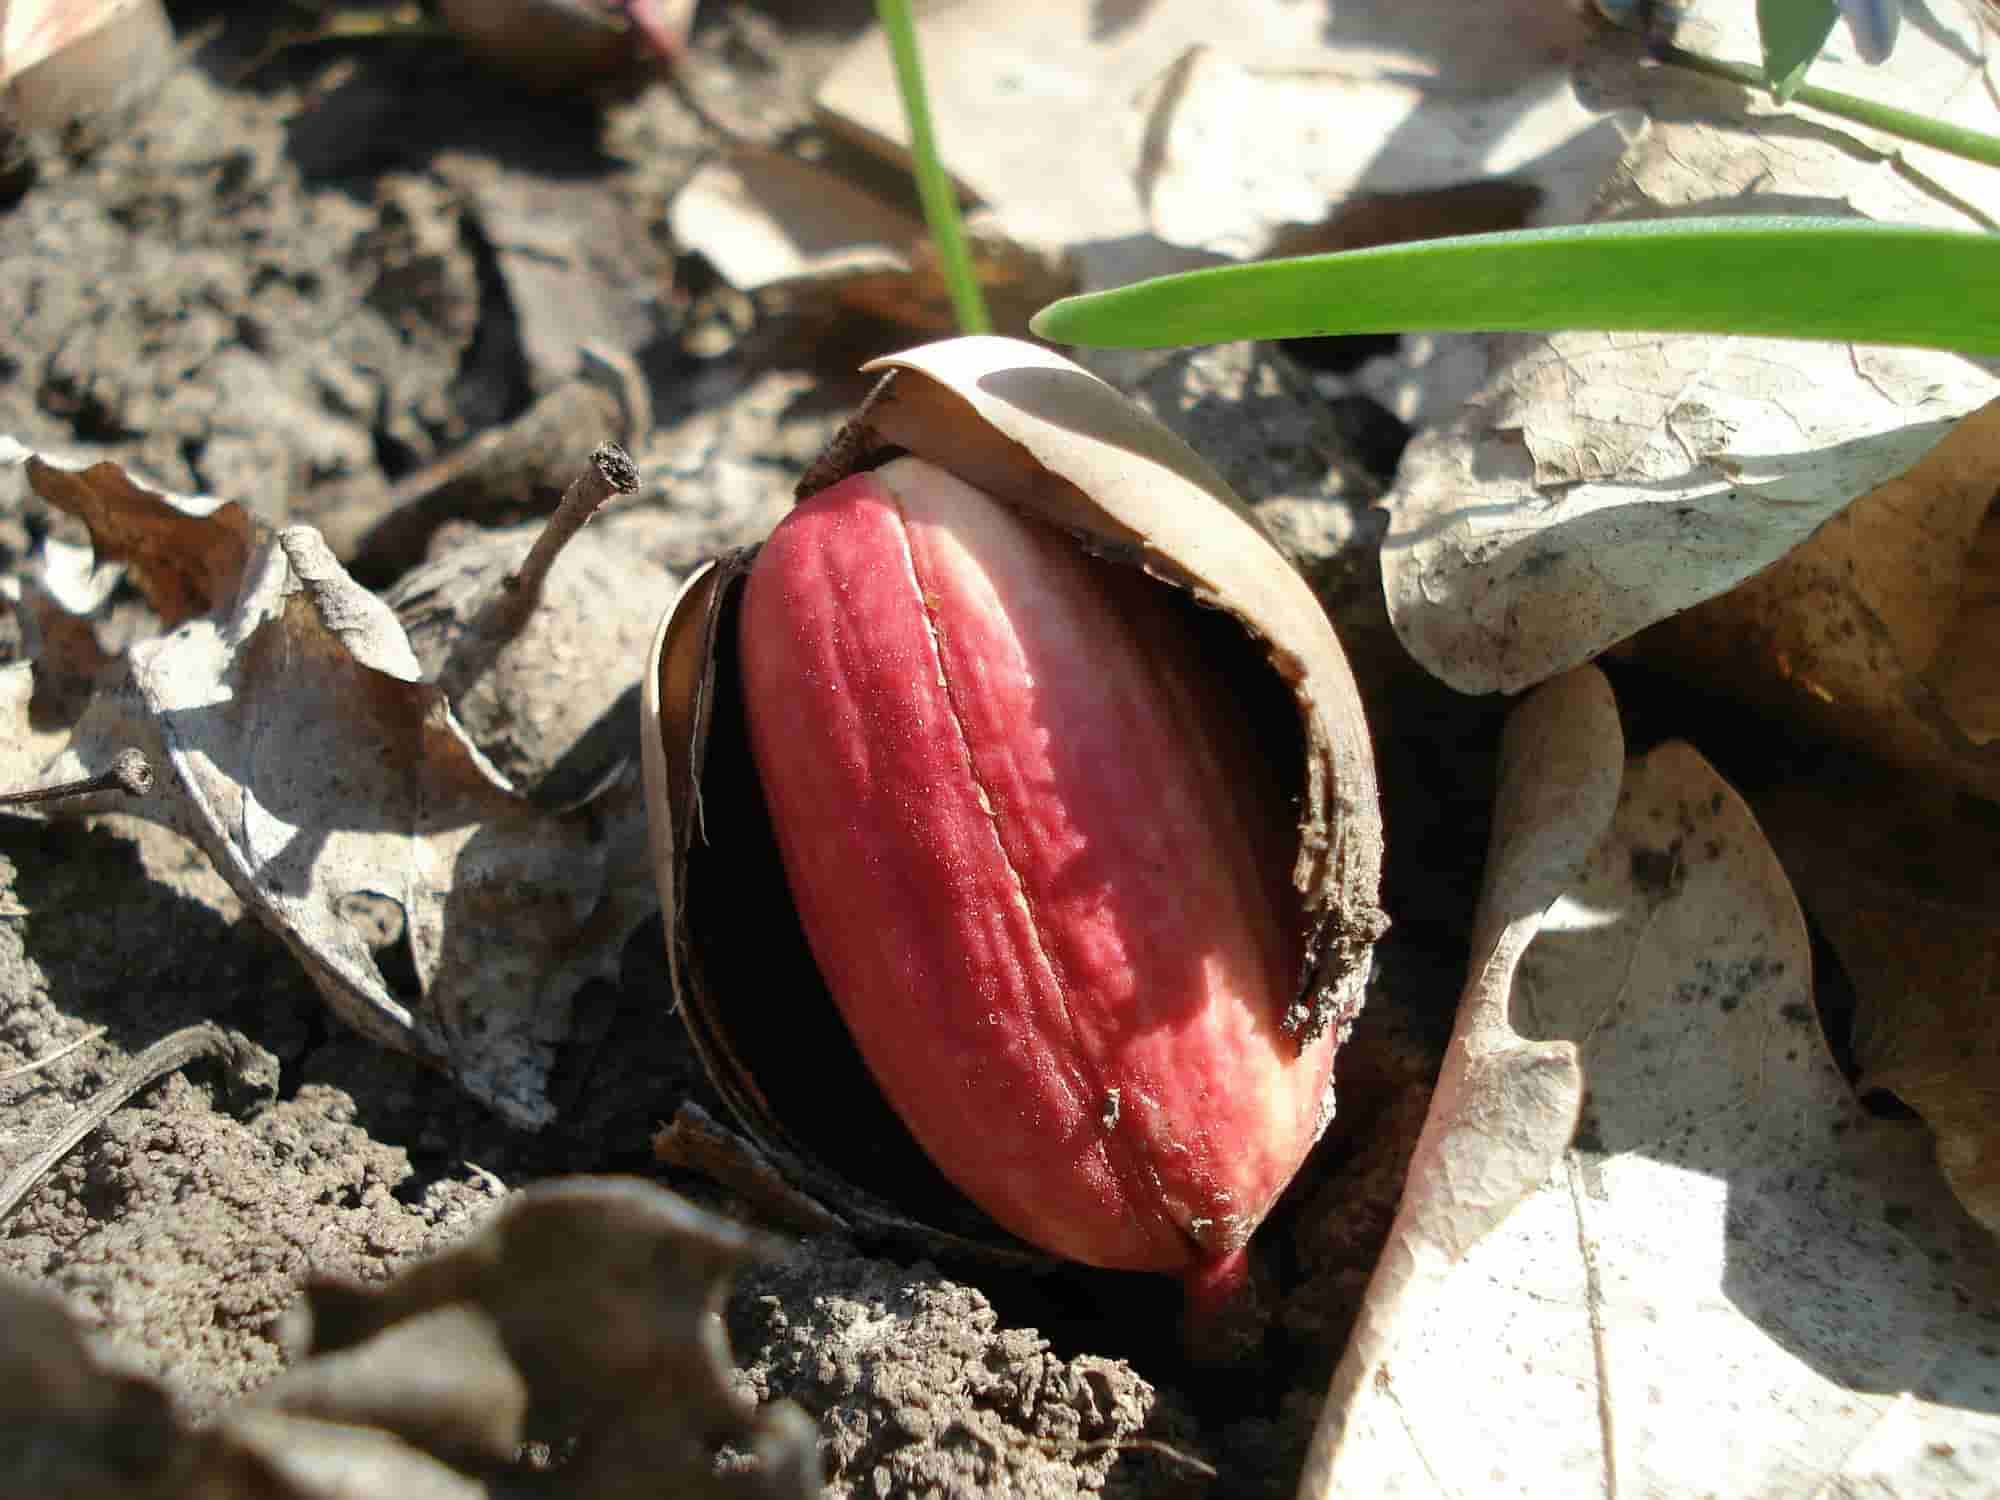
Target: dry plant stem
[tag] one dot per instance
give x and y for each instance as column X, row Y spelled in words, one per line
column 611, row 472
column 130, row 772
column 54, row 1057
column 165, row 1056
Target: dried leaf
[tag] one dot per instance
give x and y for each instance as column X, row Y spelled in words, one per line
column 1596, row 483
column 1949, row 62
column 764, row 218
column 579, row 265
column 1906, row 886
column 185, row 553
column 556, row 45
column 1873, row 632
column 1735, row 1283
column 1241, row 157
column 772, row 223
column 1187, row 126
column 24, row 748
column 296, row 743
column 1504, row 1106
column 94, row 1429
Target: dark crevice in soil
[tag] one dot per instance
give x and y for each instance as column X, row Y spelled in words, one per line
column 491, row 386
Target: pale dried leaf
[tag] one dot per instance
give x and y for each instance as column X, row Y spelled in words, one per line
column 24, row 749
column 1191, row 126
column 296, row 743
column 32, row 31
column 69, row 63
column 1597, row 483
column 1504, row 1107
column 1243, row 152
column 764, row 218
column 1730, row 1282
column 772, row 223
column 55, row 599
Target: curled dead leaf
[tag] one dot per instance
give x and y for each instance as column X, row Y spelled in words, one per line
column 296, row 743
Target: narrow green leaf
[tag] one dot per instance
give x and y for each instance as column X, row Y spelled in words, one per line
column 934, row 185
column 1784, row 277
column 1793, row 32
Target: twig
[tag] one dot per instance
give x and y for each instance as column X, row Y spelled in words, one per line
column 168, row 1055
column 130, row 772
column 56, row 1056
column 610, row 472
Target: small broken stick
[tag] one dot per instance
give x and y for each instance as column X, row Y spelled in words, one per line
column 130, row 772
column 611, row 472
column 27, row 1069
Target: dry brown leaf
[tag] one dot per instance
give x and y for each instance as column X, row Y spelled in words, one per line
column 1595, row 483
column 1965, row 672
column 295, row 741
column 1734, row 1282
column 1863, row 633
column 584, row 1312
column 185, row 553
column 1504, row 1106
column 1905, row 883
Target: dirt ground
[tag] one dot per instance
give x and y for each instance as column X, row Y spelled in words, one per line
column 300, row 282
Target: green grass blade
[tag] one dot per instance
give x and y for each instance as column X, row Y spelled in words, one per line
column 934, row 184
column 1973, row 145
column 1790, row 278
column 1792, row 33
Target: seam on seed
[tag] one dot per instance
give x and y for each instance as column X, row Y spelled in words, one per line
column 926, row 599
column 1119, row 1163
